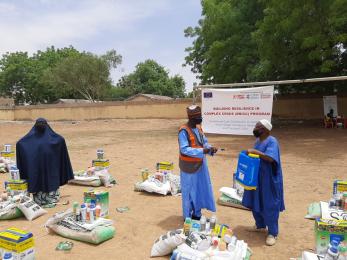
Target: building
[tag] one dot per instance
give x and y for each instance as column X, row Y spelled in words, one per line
column 148, row 97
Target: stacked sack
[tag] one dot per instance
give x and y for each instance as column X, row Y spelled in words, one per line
column 163, row 181
column 96, row 175
column 86, row 222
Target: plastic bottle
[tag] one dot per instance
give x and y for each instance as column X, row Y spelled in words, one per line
column 7, row 148
column 92, row 213
column 87, row 213
column 100, row 154
column 227, row 239
column 213, row 221
column 7, row 256
column 74, row 208
column 78, row 214
column 187, row 225
column 345, row 201
column 83, row 212
column 215, row 241
column 332, row 254
column 97, row 210
column 203, row 224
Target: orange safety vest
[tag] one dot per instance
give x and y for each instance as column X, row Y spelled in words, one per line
column 186, row 163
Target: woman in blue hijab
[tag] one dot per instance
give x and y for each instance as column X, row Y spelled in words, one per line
column 43, row 160
column 266, row 202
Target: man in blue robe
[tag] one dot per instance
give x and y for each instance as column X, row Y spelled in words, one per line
column 196, row 187
column 266, row 202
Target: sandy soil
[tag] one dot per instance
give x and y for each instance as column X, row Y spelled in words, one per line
column 311, row 158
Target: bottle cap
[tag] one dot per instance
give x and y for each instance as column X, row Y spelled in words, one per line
column 188, row 220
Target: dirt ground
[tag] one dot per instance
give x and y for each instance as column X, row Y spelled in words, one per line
column 312, row 158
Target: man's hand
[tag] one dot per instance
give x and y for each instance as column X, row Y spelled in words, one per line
column 214, row 149
column 206, row 150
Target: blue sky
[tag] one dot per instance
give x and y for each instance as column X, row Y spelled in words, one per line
column 137, row 29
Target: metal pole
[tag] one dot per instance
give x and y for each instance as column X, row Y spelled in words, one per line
column 194, row 94
column 264, row 83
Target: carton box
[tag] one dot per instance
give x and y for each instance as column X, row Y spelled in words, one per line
column 7, row 154
column 339, row 186
column 327, row 230
column 101, row 163
column 19, row 242
column 99, row 197
column 17, row 186
column 164, row 166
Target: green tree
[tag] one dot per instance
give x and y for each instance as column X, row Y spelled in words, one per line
column 151, row 78
column 223, row 49
column 22, row 76
column 82, row 76
column 14, row 76
column 302, row 39
column 259, row 40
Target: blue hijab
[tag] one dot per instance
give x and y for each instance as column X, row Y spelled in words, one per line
column 268, row 197
column 43, row 159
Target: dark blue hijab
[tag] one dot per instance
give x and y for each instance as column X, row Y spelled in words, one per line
column 43, row 159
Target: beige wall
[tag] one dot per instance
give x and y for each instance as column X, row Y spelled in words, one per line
column 140, row 98
column 293, row 108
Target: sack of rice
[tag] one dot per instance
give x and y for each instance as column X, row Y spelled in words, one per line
column 65, row 225
column 9, row 210
column 165, row 244
column 30, row 209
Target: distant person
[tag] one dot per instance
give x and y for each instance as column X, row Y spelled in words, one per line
column 196, row 185
column 266, row 202
column 43, row 160
column 331, row 117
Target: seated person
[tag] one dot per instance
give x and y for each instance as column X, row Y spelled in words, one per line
column 43, row 160
column 330, row 118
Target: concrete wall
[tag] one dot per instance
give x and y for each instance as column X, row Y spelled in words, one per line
column 284, row 107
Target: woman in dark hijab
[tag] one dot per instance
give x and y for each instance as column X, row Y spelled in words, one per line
column 43, row 160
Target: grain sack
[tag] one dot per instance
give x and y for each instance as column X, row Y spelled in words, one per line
column 92, row 181
column 64, row 225
column 167, row 243
column 9, row 210
column 30, row 209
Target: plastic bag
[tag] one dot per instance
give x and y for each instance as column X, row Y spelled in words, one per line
column 153, row 185
column 9, row 210
column 175, row 183
column 230, row 198
column 30, row 209
column 165, row 244
column 314, row 211
column 86, row 181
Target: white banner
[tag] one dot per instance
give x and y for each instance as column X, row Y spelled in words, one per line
column 235, row 111
column 330, row 102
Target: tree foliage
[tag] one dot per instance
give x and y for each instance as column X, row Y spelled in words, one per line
column 56, row 73
column 151, row 78
column 253, row 40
